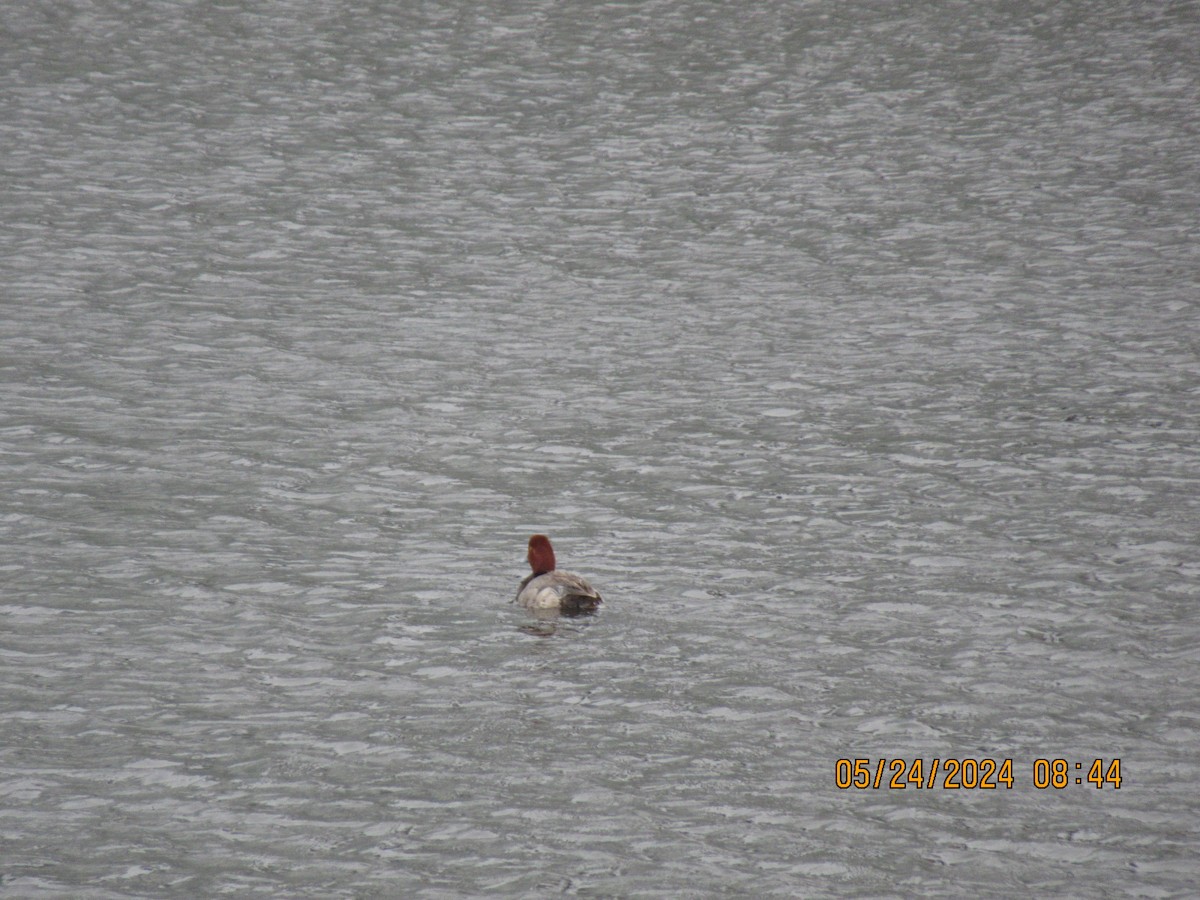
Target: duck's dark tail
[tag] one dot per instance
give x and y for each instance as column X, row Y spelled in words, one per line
column 580, row 604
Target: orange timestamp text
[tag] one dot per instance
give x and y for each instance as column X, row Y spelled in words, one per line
column 954, row 773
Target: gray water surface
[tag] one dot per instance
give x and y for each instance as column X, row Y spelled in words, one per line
column 849, row 349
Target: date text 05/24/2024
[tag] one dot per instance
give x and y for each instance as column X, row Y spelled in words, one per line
column 972, row 774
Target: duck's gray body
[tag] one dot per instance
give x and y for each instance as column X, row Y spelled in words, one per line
column 559, row 590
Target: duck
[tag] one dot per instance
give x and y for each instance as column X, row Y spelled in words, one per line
column 548, row 588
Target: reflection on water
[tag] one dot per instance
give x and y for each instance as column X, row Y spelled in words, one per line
column 848, row 349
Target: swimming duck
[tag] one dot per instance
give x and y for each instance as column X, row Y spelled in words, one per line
column 548, row 588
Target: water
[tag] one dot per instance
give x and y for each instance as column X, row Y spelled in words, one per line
column 849, row 349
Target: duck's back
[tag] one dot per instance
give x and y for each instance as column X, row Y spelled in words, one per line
column 558, row 590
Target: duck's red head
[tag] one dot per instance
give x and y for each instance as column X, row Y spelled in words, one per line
column 541, row 554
